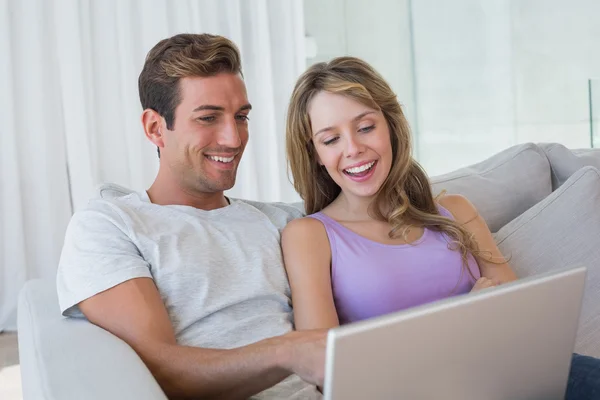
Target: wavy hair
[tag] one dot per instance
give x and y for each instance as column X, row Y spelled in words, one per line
column 405, row 198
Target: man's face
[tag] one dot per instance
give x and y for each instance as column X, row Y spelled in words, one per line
column 209, row 134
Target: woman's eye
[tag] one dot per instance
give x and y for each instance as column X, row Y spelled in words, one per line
column 330, row 141
column 367, row 129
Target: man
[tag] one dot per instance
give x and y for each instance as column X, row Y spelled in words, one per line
column 193, row 281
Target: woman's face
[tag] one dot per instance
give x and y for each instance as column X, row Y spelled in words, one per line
column 352, row 143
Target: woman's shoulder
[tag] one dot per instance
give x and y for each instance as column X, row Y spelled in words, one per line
column 305, row 237
column 458, row 206
column 305, row 226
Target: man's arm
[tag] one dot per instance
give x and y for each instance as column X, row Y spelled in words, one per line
column 134, row 312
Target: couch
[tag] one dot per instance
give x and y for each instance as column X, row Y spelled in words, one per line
column 541, row 201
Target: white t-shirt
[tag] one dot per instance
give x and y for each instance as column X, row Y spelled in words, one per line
column 220, row 273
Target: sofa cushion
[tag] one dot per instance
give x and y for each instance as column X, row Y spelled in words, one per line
column 300, row 206
column 503, row 186
column 565, row 162
column 111, row 190
column 562, row 231
column 70, row 358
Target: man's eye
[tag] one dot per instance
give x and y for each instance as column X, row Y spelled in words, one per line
column 210, row 118
column 243, row 118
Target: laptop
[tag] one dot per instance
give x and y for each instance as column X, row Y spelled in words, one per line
column 514, row 341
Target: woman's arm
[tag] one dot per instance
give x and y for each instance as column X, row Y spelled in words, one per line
column 307, row 257
column 465, row 213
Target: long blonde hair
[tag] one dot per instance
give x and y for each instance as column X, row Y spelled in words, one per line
column 406, row 193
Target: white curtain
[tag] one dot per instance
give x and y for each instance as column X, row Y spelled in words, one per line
column 70, row 110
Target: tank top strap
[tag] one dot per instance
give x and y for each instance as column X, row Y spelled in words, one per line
column 331, row 228
column 320, row 216
column 444, row 212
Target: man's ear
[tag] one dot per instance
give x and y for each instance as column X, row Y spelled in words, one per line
column 152, row 123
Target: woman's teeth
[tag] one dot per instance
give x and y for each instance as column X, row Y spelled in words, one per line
column 362, row 168
column 221, row 159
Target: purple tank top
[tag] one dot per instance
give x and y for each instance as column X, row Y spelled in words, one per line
column 371, row 279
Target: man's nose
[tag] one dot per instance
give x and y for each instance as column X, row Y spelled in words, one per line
column 229, row 135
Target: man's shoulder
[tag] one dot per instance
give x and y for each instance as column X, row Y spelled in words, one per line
column 109, row 201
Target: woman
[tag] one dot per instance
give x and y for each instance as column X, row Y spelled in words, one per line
column 375, row 240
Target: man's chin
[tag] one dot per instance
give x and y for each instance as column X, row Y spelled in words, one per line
column 219, row 186
column 227, row 187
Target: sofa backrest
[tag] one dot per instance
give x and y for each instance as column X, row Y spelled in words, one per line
column 503, row 186
column 565, row 162
column 111, row 190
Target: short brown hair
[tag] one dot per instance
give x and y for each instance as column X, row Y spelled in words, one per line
column 181, row 56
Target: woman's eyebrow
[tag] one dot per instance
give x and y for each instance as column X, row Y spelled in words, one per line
column 358, row 117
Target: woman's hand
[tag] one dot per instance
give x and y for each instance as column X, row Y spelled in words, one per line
column 483, row 283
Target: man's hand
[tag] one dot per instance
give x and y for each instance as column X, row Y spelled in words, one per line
column 304, row 354
column 483, row 283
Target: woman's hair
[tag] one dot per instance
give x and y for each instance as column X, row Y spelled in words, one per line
column 405, row 199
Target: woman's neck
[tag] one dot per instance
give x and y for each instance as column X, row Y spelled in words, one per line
column 350, row 207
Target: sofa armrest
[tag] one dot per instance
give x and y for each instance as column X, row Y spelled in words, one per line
column 65, row 358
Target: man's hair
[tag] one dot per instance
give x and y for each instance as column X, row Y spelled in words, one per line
column 181, row 56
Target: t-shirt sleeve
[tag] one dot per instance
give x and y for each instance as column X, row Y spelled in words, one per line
column 98, row 254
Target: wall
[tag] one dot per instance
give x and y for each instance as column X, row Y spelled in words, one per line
column 556, row 50
column 376, row 31
column 487, row 74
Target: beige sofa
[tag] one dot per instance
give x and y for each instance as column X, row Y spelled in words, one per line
column 541, row 201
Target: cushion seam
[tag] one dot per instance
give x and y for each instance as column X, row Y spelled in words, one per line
column 553, row 173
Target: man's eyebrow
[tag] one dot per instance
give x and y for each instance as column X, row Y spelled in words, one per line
column 246, row 107
column 209, row 107
column 358, row 117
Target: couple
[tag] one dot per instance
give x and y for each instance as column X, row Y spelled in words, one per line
column 201, row 286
